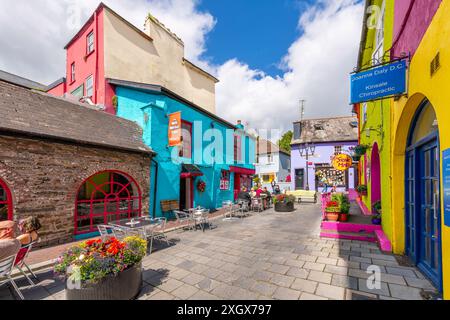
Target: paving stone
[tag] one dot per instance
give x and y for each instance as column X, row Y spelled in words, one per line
column 320, row 276
column 278, row 268
column 390, row 278
column 336, row 270
column 401, row 272
column 170, row 284
column 202, row 295
column 212, row 273
column 262, row 276
column 304, row 285
column 328, row 261
column 361, row 259
column 419, row 283
column 309, row 296
column 242, row 294
column 331, row 292
column 344, row 281
column 383, row 290
column 349, row 264
column 224, row 291
column 386, row 263
column 264, row 288
column 286, row 294
column 294, row 263
column 193, row 279
column 298, row 272
column 359, row 295
column 365, row 267
column 229, row 267
column 185, row 291
column 404, row 292
column 308, row 258
column 162, row 295
column 208, row 284
column 378, row 256
column 314, row 266
column 282, row 280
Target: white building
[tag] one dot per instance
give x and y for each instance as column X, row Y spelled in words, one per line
column 272, row 163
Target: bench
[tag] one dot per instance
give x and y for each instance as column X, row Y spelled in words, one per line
column 304, row 195
column 169, row 205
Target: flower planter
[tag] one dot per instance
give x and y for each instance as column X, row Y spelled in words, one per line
column 284, row 207
column 376, row 221
column 343, row 217
column 125, row 286
column 332, row 216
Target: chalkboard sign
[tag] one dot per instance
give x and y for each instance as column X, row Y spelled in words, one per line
column 446, row 183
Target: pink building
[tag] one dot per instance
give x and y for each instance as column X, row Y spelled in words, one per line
column 108, row 47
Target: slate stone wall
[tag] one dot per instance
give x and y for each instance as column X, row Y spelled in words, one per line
column 44, row 177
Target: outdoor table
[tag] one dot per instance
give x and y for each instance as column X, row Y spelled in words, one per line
column 201, row 215
column 139, row 225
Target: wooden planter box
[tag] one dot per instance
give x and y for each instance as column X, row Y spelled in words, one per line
column 284, row 207
column 125, row 286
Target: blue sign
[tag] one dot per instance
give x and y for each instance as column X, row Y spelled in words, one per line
column 379, row 82
column 446, row 183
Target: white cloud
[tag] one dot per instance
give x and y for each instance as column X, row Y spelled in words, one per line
column 316, row 66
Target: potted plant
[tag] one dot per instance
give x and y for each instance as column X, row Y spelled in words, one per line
column 360, row 150
column 362, row 190
column 332, row 210
column 284, row 203
column 376, row 219
column 103, row 269
column 377, row 207
column 344, row 204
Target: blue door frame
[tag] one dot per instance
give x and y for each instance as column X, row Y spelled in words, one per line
column 422, row 206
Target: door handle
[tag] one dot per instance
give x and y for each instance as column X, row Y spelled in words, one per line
column 435, row 201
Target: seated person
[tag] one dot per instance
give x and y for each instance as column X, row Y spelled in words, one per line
column 268, row 197
column 8, row 245
column 258, row 192
column 252, row 193
column 29, row 228
column 244, row 195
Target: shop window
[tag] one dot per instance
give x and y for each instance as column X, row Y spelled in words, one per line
column 327, row 176
column 5, row 202
column 225, row 180
column 104, row 197
column 237, row 148
column 186, row 140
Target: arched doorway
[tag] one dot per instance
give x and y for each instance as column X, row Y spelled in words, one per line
column 422, row 192
column 104, row 197
column 6, row 207
column 375, row 181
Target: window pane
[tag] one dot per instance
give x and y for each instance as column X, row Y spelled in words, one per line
column 3, row 212
column 89, row 86
column 186, row 133
column 426, row 124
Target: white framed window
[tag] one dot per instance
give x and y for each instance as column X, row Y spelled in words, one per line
column 364, row 112
column 72, row 72
column 378, row 53
column 269, row 158
column 90, row 42
column 90, row 86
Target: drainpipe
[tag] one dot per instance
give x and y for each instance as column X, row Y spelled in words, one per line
column 156, row 187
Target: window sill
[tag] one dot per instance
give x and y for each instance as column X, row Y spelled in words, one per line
column 89, row 54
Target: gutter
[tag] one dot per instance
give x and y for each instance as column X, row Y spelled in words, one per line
column 155, row 191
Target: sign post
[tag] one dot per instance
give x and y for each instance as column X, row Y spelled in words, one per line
column 379, row 82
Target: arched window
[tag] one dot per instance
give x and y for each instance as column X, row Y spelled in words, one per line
column 104, row 197
column 6, row 208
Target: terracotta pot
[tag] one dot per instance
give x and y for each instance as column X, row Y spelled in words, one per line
column 332, row 216
column 125, row 286
column 343, row 217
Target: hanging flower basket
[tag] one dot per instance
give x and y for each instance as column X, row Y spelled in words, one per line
column 201, row 186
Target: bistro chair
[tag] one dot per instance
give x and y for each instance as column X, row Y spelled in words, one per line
column 257, row 204
column 184, row 217
column 19, row 263
column 6, row 268
column 158, row 232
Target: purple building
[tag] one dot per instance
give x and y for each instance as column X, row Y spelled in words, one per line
column 315, row 143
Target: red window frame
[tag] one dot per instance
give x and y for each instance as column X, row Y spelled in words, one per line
column 185, row 148
column 109, row 197
column 8, row 201
column 237, row 148
column 72, row 72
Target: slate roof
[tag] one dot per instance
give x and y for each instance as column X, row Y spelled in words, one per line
column 265, row 146
column 339, row 129
column 37, row 114
column 20, row 81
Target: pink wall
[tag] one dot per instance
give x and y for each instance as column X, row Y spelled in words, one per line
column 419, row 15
column 92, row 64
column 59, row 90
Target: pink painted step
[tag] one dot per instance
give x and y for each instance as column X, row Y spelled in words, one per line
column 383, row 241
column 349, row 227
column 360, row 236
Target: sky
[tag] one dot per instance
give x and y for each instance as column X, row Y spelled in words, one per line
column 267, row 54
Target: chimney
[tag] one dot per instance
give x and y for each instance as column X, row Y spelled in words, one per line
column 239, row 124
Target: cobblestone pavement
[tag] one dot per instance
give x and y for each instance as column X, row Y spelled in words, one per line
column 265, row 256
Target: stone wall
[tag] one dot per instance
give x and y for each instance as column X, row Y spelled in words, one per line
column 44, row 177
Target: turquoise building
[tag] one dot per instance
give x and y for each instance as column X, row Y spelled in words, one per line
column 214, row 160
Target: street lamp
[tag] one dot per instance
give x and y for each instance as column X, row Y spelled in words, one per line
column 307, row 150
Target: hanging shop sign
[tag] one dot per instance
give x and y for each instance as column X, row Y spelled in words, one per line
column 174, row 129
column 446, row 184
column 379, row 82
column 342, row 162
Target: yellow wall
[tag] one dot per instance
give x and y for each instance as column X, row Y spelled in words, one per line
column 130, row 56
column 436, row 90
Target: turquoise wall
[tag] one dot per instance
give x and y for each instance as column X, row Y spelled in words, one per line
column 151, row 110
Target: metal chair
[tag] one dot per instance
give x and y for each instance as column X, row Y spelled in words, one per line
column 203, row 219
column 230, row 210
column 107, row 231
column 6, row 268
column 19, row 263
column 257, row 204
column 243, row 207
column 183, row 217
column 158, row 232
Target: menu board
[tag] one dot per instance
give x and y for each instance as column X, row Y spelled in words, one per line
column 446, row 183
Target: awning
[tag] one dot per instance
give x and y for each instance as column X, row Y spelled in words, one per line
column 241, row 170
column 190, row 170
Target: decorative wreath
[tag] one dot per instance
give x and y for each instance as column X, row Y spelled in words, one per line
column 201, row 186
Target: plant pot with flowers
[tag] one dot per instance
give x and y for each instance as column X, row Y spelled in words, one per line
column 103, row 269
column 376, row 217
column 362, row 190
column 284, row 203
column 332, row 211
